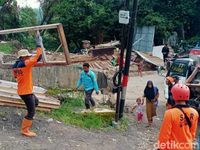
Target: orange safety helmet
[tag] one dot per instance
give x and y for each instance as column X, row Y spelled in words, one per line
column 180, row 92
column 170, row 79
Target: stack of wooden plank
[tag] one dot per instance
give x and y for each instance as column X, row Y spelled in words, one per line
column 9, row 97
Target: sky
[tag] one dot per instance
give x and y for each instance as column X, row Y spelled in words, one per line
column 29, row 3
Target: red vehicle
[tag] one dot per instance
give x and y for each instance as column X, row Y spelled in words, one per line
column 195, row 52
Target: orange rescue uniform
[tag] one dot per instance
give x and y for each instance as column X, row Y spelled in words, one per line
column 23, row 74
column 175, row 134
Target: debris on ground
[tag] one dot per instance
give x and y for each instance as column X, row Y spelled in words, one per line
column 9, row 97
column 100, row 111
column 194, row 83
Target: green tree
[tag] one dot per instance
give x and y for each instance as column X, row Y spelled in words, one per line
column 8, row 15
column 169, row 16
column 94, row 20
column 180, row 12
column 27, row 17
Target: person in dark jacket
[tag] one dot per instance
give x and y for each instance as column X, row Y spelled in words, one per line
column 165, row 52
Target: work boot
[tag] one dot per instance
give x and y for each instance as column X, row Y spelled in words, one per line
column 26, row 125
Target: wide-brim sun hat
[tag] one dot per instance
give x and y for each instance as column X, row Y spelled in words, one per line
column 24, row 53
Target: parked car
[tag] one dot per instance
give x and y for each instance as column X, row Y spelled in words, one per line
column 181, row 67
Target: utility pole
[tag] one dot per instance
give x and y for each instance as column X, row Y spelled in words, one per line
column 131, row 36
column 121, row 64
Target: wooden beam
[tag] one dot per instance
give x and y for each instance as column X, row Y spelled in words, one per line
column 45, row 62
column 25, row 29
column 40, row 64
column 64, row 43
column 193, row 85
column 191, row 77
column 23, row 106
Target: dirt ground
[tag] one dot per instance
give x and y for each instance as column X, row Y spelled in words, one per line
column 55, row 135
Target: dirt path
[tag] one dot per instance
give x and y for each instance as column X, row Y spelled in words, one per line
column 54, row 135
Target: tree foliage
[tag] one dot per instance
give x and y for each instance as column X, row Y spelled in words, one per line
column 97, row 20
column 86, row 19
column 27, row 17
column 169, row 16
column 8, row 14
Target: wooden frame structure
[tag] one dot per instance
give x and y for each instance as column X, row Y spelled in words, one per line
column 45, row 62
column 191, row 77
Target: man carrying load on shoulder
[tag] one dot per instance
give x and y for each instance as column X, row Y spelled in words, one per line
column 22, row 71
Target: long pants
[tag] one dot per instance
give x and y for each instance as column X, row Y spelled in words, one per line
column 31, row 102
column 88, row 99
column 165, row 56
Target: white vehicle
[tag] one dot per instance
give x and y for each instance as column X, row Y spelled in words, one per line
column 181, row 67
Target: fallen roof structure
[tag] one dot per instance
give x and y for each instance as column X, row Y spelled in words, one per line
column 150, row 59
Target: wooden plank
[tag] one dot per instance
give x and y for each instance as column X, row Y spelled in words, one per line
column 16, row 97
column 13, row 85
column 23, row 106
column 192, row 76
column 45, row 62
column 44, row 57
column 22, row 103
column 64, row 43
column 193, row 85
column 40, row 64
column 41, row 96
column 25, row 29
column 14, row 91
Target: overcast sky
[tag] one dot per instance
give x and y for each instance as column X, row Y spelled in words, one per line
column 29, row 3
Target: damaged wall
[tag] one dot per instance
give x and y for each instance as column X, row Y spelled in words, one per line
column 55, row 76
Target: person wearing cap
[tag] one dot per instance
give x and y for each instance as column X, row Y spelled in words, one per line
column 86, row 46
column 170, row 101
column 89, row 81
column 179, row 126
column 22, row 71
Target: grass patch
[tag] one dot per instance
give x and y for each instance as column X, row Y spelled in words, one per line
column 56, row 91
column 6, row 48
column 70, row 113
column 123, row 124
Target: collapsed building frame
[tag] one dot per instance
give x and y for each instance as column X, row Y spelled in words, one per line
column 45, row 62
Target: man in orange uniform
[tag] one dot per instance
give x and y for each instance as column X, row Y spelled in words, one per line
column 22, row 70
column 170, row 84
column 179, row 126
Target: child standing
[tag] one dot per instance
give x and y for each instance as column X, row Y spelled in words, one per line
column 140, row 66
column 138, row 109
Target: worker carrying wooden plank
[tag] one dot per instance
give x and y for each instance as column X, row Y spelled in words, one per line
column 22, row 71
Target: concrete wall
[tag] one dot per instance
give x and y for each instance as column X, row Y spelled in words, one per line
column 56, row 76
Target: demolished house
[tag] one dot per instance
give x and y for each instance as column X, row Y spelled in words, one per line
column 62, row 69
column 194, row 82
